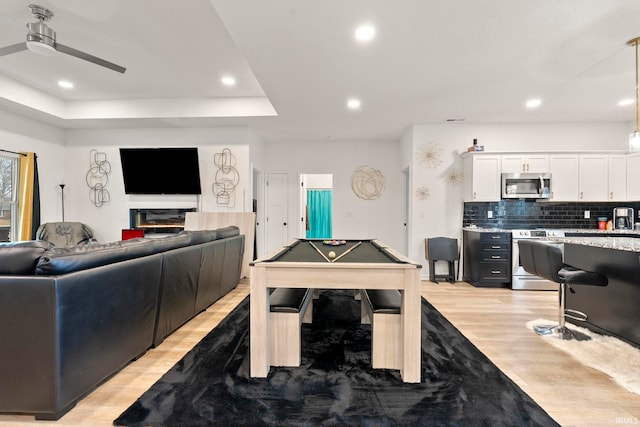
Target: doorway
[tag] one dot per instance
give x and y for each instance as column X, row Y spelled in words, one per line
column 258, row 209
column 276, row 212
column 316, row 206
column 406, row 175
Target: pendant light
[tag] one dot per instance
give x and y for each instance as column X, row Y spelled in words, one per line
column 634, row 137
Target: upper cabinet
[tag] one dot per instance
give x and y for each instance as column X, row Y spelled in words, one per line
column 482, row 177
column 594, row 177
column 597, row 176
column 525, row 163
column 618, row 177
column 564, row 176
column 633, row 176
column 603, row 177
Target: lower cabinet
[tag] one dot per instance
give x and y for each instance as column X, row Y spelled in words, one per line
column 487, row 258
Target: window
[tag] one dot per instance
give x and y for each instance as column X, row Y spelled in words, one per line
column 8, row 198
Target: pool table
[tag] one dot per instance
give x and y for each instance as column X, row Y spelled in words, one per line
column 357, row 264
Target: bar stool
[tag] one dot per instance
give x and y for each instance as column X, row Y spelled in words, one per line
column 544, row 259
column 442, row 249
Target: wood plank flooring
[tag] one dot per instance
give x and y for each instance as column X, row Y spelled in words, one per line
column 493, row 319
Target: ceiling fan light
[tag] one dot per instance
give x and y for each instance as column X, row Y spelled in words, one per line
column 41, row 48
column 41, row 39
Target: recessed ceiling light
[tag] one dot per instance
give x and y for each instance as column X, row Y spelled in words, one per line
column 66, row 84
column 228, row 81
column 353, row 104
column 533, row 103
column 626, row 102
column 365, row 33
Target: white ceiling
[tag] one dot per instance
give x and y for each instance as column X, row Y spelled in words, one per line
column 296, row 63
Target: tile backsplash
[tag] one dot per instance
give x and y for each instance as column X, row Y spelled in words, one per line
column 510, row 214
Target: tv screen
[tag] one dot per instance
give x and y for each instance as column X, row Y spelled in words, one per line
column 160, row 170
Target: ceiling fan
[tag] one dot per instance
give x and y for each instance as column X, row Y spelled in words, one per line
column 41, row 39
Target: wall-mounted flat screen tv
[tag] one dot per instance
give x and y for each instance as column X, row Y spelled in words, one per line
column 160, row 170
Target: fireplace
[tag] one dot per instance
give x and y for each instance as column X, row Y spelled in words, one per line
column 158, row 221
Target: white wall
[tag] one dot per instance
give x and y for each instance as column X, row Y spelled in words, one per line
column 63, row 156
column 18, row 133
column 318, row 181
column 353, row 218
column 441, row 213
column 108, row 220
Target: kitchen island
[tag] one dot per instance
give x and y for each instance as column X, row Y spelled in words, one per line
column 613, row 309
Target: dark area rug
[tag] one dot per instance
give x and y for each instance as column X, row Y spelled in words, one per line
column 335, row 385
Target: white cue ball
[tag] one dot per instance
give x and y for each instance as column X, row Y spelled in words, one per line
column 332, row 254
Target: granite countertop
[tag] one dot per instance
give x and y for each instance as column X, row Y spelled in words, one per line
column 630, row 244
column 635, row 233
column 486, row 230
column 631, row 233
column 619, row 242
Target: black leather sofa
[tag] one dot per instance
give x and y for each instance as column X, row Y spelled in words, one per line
column 71, row 317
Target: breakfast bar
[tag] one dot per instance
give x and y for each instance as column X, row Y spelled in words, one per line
column 613, row 309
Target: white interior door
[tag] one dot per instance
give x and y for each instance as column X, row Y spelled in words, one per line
column 276, row 212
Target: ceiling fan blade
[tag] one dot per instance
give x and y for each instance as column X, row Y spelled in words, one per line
column 87, row 57
column 18, row 47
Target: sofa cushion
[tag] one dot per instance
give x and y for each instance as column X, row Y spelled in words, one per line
column 21, row 258
column 75, row 258
column 229, row 231
column 175, row 241
column 201, row 236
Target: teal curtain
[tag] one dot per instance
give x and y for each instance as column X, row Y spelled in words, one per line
column 319, row 214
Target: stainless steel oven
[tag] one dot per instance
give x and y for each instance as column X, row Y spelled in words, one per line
column 520, row 278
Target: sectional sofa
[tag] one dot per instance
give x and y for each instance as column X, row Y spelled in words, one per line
column 72, row 317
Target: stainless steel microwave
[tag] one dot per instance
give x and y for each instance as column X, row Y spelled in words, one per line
column 526, row 185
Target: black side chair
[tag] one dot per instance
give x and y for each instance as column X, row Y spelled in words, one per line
column 544, row 259
column 442, row 249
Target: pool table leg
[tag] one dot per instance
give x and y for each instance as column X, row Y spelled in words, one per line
column 411, row 327
column 259, row 323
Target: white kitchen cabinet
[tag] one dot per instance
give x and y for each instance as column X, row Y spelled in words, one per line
column 633, row 176
column 617, row 177
column 481, row 177
column 525, row 163
column 564, row 176
column 593, row 182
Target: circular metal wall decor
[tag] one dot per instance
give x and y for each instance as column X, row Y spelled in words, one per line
column 367, row 183
column 423, row 193
column 430, row 155
column 97, row 178
column 226, row 178
column 453, row 176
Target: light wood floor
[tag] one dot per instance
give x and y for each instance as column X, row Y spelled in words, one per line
column 493, row 319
